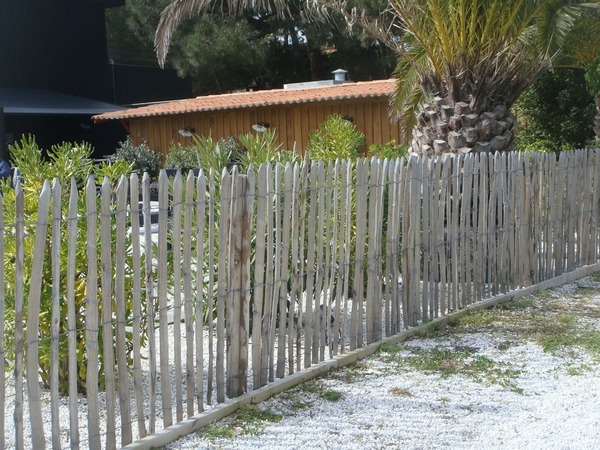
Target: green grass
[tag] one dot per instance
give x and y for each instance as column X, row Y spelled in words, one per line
column 449, row 362
column 220, row 432
column 332, row 395
column 249, row 420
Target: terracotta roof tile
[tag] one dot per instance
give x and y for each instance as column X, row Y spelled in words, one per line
column 290, row 96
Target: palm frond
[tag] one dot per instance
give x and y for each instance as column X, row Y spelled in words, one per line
column 179, row 10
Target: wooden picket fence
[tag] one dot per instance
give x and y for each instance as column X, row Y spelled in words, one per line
column 246, row 278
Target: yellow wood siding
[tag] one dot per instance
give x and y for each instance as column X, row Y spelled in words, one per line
column 292, row 123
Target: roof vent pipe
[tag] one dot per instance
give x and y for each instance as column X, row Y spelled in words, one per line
column 339, row 75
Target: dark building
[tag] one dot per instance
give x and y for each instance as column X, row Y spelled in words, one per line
column 55, row 73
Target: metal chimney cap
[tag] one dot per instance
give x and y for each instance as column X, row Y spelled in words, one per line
column 339, row 74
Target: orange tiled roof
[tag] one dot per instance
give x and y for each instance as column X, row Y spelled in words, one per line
column 365, row 89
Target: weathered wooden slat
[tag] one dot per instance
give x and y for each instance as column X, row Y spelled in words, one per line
column 482, row 238
column 259, row 357
column 326, row 313
column 560, row 187
column 443, row 238
column 493, row 232
column 372, row 249
column 356, row 317
column 91, row 316
column 551, row 165
column 584, row 236
column 527, row 207
column 303, row 190
column 163, row 301
column 55, row 319
column 425, row 238
column 512, row 181
column 281, row 258
column 294, row 268
column 176, row 234
column 270, row 305
column 222, row 283
column 416, row 194
column 19, row 319
column 312, row 195
column 473, row 231
column 212, row 206
column 245, row 280
column 107, row 311
column 333, row 289
column 397, row 296
column 436, row 240
column 345, row 231
column 120, row 332
column 571, row 209
column 454, row 232
column 188, row 298
column 271, row 292
column 199, row 301
column 136, row 330
column 390, row 241
column 150, row 302
column 234, row 298
column 407, row 243
column 466, row 231
column 33, row 320
column 318, row 347
column 284, row 309
column 536, row 231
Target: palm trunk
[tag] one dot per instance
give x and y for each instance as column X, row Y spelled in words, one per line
column 444, row 128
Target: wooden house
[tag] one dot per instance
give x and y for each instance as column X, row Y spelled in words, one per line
column 292, row 112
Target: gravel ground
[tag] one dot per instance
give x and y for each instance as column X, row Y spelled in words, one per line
column 525, row 375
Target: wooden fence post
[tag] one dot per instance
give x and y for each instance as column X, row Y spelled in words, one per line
column 238, row 320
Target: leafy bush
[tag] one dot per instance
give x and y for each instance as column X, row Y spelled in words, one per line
column 262, row 148
column 141, row 157
column 215, row 155
column 63, row 162
column 556, row 113
column 183, row 157
column 390, row 150
column 336, row 138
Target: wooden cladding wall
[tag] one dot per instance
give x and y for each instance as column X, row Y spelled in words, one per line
column 292, row 123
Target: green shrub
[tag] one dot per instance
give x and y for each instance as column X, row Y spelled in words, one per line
column 390, row 150
column 183, row 157
column 215, row 155
column 336, row 138
column 141, row 157
column 63, row 162
column 262, row 148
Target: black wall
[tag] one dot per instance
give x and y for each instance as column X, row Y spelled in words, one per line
column 54, row 44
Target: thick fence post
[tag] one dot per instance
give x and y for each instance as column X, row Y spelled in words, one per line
column 238, row 320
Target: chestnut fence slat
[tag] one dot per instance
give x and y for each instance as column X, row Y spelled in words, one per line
column 244, row 279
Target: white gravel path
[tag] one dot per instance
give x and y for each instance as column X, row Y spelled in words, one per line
column 551, row 402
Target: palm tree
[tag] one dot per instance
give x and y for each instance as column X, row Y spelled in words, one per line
column 461, row 63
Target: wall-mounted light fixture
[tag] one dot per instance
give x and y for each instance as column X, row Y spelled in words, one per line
column 187, row 131
column 260, row 127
